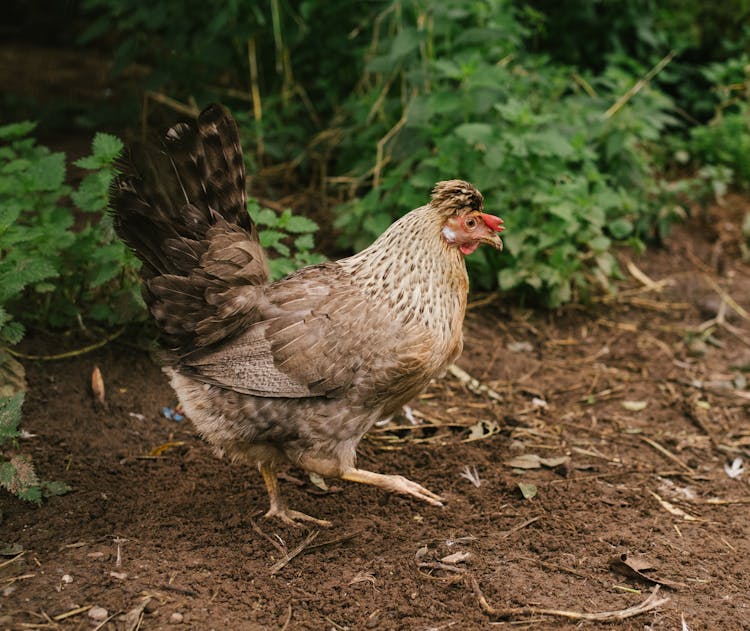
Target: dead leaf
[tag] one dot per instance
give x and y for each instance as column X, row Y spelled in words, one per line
column 158, row 451
column 551, row 463
column 633, row 567
column 132, row 619
column 672, row 509
column 97, row 386
column 635, row 406
column 482, row 429
column 11, row 550
column 527, row 490
column 520, row 347
column 456, row 557
column 526, row 461
column 533, row 461
column 363, row 577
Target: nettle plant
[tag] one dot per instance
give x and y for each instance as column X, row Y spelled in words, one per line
column 288, row 238
column 451, row 93
column 61, row 263
column 17, row 473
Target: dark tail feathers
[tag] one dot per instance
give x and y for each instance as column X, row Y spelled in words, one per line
column 166, row 199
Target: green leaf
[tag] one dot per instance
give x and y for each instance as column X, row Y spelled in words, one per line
column 51, row 488
column 305, row 242
column 270, row 238
column 107, row 147
column 265, row 217
column 48, row 173
column 621, row 228
column 12, row 332
column 18, row 476
column 298, row 224
column 474, row 133
column 405, row 43
column 528, row 491
column 93, row 193
column 16, row 130
column 600, row 243
column 10, row 416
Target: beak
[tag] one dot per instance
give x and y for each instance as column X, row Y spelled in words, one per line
column 496, row 225
column 494, row 240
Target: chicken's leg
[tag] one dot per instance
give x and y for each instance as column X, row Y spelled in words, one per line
column 278, row 506
column 397, row 483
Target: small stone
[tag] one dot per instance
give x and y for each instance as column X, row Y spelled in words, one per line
column 176, row 618
column 151, row 606
column 118, row 575
column 67, row 578
column 98, row 614
column 8, row 591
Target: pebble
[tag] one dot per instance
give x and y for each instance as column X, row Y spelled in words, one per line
column 67, row 578
column 98, row 614
column 175, row 618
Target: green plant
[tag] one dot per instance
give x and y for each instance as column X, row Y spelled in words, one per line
column 725, row 139
column 17, row 473
column 451, row 93
column 288, row 236
column 60, row 266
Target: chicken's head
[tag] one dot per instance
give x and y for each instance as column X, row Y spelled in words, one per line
column 466, row 226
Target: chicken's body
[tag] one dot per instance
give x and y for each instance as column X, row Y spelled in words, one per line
column 297, row 370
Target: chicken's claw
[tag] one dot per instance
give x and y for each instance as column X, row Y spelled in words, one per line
column 396, row 483
column 294, row 517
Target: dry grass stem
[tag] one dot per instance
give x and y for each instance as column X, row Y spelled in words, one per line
column 281, row 549
column 71, row 613
column 652, row 602
column 639, row 85
column 665, row 452
column 521, row 526
column 13, row 560
column 282, row 563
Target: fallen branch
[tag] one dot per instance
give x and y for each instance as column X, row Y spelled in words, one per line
column 652, row 602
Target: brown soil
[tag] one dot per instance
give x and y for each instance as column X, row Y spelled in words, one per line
column 155, row 519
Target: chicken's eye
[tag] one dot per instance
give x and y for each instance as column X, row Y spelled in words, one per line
column 470, row 223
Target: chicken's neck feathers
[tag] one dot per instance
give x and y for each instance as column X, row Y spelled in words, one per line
column 412, row 268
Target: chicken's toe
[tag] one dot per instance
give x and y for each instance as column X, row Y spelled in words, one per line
column 396, row 483
column 294, row 517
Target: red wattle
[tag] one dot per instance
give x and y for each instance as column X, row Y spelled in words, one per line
column 492, row 222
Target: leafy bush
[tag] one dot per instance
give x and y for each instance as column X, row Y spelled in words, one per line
column 17, row 473
column 448, row 99
column 725, row 140
column 60, row 265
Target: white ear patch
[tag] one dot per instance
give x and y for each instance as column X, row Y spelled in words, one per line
column 449, row 234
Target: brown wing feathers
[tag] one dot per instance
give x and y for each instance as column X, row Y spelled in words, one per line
column 182, row 208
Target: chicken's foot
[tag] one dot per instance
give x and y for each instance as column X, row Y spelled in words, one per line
column 279, row 509
column 397, row 483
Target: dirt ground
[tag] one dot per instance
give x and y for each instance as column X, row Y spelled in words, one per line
column 620, row 421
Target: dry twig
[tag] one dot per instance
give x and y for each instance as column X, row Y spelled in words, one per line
column 652, row 602
column 281, row 564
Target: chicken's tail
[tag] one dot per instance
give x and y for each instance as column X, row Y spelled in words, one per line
column 180, row 191
column 182, row 209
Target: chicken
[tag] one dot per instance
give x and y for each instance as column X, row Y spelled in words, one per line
column 295, row 371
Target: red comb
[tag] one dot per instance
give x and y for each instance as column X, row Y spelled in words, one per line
column 493, row 223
